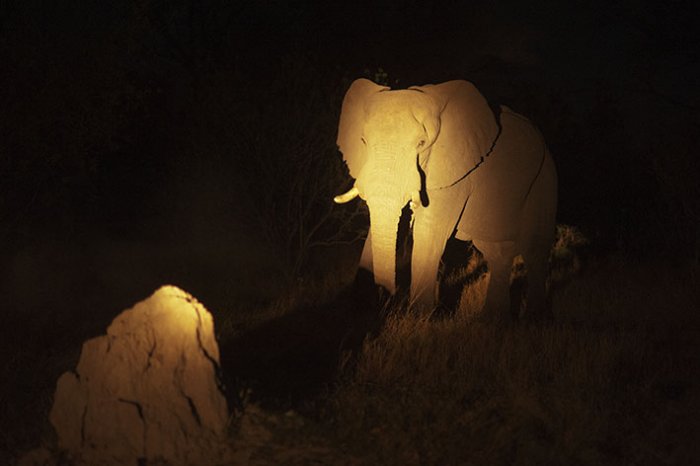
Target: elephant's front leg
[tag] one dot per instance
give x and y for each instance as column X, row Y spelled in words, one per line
column 499, row 259
column 432, row 227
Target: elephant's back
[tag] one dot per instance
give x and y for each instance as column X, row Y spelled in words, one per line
column 503, row 182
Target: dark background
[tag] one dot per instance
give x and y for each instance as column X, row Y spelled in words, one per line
column 193, row 142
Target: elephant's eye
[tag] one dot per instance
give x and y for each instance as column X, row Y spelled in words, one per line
column 421, row 143
column 364, row 141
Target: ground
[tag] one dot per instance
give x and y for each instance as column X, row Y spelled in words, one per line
column 317, row 376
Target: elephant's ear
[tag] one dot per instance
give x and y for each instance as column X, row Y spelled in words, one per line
column 352, row 118
column 468, row 129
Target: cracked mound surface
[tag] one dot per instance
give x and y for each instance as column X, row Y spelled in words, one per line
column 148, row 390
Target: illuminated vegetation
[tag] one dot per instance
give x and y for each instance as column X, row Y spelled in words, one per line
column 607, row 383
column 610, row 381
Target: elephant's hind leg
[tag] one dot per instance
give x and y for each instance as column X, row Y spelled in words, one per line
column 537, row 265
column 499, row 259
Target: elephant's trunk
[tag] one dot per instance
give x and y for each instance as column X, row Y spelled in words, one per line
column 388, row 182
column 384, row 220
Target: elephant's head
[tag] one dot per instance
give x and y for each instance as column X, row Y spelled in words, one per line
column 401, row 144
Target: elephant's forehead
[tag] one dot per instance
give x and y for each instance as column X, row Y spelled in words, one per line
column 391, row 113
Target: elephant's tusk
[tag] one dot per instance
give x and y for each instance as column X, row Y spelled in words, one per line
column 415, row 200
column 347, row 197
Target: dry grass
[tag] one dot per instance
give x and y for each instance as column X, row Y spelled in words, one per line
column 613, row 380
column 596, row 387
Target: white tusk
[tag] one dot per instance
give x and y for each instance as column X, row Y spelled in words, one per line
column 415, row 200
column 347, row 197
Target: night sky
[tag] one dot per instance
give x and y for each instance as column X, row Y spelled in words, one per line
column 169, row 123
column 153, row 120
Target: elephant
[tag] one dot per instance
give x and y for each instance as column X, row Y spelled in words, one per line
column 467, row 169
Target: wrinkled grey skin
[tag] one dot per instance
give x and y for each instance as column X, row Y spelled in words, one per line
column 506, row 205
